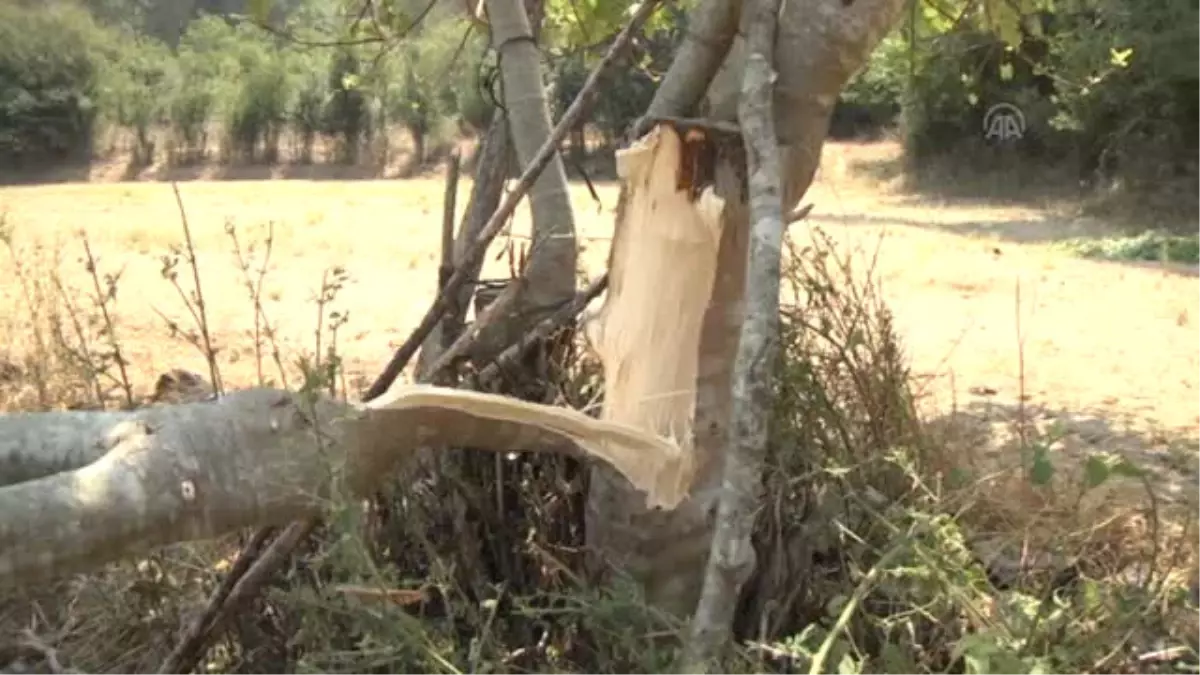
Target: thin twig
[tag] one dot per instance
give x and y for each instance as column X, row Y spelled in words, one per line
column 508, row 206
column 110, row 326
column 193, row 639
column 497, row 310
column 543, row 330
column 31, row 641
column 202, row 315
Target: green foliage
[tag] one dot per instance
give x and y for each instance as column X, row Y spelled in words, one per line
column 347, row 117
column 1110, row 86
column 312, row 91
column 1147, row 246
column 49, row 72
column 133, row 88
column 627, row 88
column 128, row 15
column 418, row 86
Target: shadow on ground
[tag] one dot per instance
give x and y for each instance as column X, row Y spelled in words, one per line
column 1006, row 181
column 1047, row 229
column 596, row 166
column 1042, row 230
column 998, row 435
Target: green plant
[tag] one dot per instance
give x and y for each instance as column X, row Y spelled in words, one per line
column 49, row 72
column 134, row 88
column 1149, row 246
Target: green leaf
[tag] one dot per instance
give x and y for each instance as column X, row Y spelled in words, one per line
column 1006, row 72
column 1126, row 469
column 1095, row 471
column 848, row 665
column 1042, row 471
column 896, row 659
column 1120, row 57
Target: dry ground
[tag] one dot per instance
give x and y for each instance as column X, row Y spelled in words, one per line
column 1109, row 350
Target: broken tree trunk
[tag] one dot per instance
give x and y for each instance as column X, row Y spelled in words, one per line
column 262, row 457
column 819, row 46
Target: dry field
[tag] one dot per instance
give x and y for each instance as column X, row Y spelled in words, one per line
column 994, row 319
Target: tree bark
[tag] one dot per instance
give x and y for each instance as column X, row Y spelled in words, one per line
column 818, row 47
column 732, row 558
column 552, row 260
column 264, row 457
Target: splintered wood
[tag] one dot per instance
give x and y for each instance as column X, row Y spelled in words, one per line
column 416, row 415
column 661, row 270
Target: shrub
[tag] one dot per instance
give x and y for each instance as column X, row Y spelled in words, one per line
column 133, row 90
column 312, row 93
column 48, row 80
column 347, row 118
column 259, row 110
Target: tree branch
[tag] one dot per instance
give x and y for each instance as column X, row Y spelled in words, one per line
column 266, row 457
column 713, row 26
column 731, row 560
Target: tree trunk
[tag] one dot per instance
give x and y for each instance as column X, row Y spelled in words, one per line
column 552, row 260
column 732, row 557
column 819, row 46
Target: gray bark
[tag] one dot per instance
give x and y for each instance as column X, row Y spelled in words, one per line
column 488, row 184
column 553, row 253
column 732, row 558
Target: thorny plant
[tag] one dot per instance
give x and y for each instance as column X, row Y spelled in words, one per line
column 199, row 337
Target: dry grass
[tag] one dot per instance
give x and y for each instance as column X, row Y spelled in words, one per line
column 385, row 233
column 995, row 319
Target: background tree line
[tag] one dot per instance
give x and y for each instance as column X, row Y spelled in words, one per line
column 1106, row 86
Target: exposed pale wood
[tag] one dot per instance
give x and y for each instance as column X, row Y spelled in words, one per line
column 663, row 259
column 499, row 219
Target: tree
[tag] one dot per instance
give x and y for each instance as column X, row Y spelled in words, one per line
column 818, row 47
column 668, row 337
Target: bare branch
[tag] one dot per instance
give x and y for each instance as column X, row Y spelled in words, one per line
column 182, row 658
column 732, row 559
column 712, row 29
column 545, row 329
column 30, row 640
